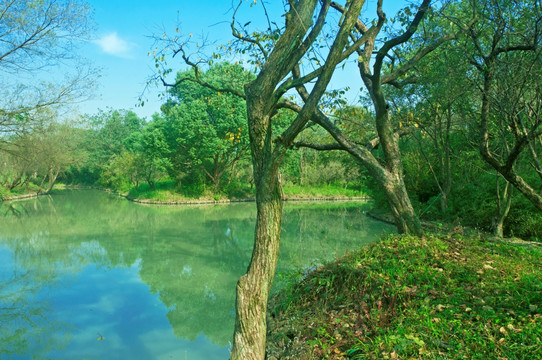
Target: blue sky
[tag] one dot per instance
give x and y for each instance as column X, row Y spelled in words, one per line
column 122, row 41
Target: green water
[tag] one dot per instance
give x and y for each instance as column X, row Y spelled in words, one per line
column 87, row 275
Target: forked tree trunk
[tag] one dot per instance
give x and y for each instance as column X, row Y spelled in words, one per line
column 388, row 176
column 253, row 287
column 393, row 183
column 267, row 153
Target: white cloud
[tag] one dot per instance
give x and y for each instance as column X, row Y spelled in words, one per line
column 114, row 45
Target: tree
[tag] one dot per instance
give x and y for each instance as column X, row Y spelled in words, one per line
column 280, row 53
column 41, row 155
column 387, row 172
column 207, row 129
column 108, row 135
column 35, row 37
column 504, row 48
column 152, row 149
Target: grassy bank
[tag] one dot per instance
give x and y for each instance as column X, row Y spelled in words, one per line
column 322, row 191
column 170, row 192
column 19, row 192
column 405, row 298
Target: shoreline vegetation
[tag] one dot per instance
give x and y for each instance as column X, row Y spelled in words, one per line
column 167, row 196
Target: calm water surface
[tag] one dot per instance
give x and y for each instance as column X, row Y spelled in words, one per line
column 87, row 275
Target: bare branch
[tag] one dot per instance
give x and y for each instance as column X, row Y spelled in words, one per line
column 210, row 86
column 412, row 62
column 237, row 34
column 388, row 45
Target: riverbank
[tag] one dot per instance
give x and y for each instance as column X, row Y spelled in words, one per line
column 17, row 197
column 443, row 297
column 168, row 193
column 165, row 194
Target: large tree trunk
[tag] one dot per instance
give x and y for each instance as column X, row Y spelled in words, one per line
column 389, row 176
column 393, row 184
column 504, row 164
column 253, row 287
column 267, row 153
column 506, row 167
column 405, row 218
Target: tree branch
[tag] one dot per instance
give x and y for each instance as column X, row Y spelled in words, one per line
column 388, row 45
column 403, row 69
column 237, row 34
column 319, row 147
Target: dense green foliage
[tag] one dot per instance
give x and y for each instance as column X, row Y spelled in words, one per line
column 440, row 297
column 197, row 147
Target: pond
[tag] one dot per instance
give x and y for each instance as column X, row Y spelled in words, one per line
column 85, row 274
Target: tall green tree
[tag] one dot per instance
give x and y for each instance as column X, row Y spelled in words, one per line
column 151, row 146
column 207, row 129
column 109, row 134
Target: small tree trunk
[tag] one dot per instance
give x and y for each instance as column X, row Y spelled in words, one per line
column 41, row 184
column 502, row 209
column 301, row 168
column 216, row 173
column 53, row 174
column 446, row 167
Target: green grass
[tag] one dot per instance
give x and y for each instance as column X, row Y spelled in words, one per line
column 28, row 189
column 410, row 298
column 321, row 191
column 164, row 191
column 169, row 191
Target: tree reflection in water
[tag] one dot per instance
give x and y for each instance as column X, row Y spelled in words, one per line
column 188, row 258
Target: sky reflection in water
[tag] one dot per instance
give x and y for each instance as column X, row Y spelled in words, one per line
column 89, row 275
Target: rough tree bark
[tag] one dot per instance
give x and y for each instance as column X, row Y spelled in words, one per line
column 504, row 202
column 506, row 167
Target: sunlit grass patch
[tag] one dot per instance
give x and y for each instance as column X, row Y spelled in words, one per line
column 321, row 191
